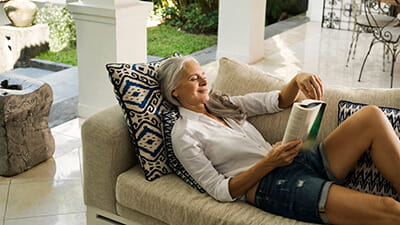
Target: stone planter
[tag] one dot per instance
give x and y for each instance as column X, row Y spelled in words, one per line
column 20, row 12
column 25, row 137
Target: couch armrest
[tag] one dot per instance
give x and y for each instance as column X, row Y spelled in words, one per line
column 107, row 152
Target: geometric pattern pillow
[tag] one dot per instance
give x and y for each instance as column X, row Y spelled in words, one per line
column 366, row 177
column 138, row 93
column 169, row 118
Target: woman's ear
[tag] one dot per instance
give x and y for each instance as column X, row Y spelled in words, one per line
column 173, row 93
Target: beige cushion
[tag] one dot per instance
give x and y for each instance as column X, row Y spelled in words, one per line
column 236, row 78
column 172, row 201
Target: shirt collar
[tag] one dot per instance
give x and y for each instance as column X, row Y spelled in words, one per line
column 189, row 114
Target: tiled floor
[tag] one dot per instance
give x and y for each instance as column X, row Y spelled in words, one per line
column 51, row 193
column 311, row 48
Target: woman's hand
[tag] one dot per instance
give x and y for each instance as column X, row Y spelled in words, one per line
column 283, row 154
column 280, row 155
column 311, row 85
column 308, row 83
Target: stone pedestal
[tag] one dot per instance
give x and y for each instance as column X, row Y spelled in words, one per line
column 19, row 44
column 25, row 138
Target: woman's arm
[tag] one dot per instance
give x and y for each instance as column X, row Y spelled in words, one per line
column 280, row 155
column 310, row 84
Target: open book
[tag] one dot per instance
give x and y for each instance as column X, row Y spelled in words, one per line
column 304, row 123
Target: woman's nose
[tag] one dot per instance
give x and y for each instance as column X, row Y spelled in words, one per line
column 203, row 81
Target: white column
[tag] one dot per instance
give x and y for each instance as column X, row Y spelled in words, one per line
column 107, row 31
column 314, row 11
column 241, row 29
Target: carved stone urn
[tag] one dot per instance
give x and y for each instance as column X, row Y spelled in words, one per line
column 20, row 12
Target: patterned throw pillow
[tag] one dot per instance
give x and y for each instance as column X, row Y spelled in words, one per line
column 169, row 118
column 138, row 93
column 366, row 177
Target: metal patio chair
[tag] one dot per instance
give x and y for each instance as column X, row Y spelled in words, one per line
column 388, row 35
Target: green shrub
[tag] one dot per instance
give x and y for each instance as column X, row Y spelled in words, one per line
column 195, row 16
column 191, row 18
column 280, row 9
column 61, row 26
column 206, row 5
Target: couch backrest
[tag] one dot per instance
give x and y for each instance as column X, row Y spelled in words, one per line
column 236, row 78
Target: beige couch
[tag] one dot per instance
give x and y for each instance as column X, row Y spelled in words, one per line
column 115, row 188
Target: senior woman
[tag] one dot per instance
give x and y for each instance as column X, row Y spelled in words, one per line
column 230, row 159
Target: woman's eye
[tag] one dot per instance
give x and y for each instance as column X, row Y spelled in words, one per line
column 194, row 78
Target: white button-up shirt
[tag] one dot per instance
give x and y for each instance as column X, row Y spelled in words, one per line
column 213, row 153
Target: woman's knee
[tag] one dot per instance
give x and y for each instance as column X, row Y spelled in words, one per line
column 390, row 204
column 373, row 115
column 372, row 110
column 390, row 209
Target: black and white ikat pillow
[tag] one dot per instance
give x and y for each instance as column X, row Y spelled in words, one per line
column 138, row 93
column 366, row 177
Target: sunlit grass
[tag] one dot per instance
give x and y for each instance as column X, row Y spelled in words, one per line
column 162, row 41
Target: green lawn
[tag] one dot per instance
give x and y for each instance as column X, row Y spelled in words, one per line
column 162, row 41
column 66, row 56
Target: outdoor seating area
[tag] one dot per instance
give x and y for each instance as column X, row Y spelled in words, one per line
column 52, row 192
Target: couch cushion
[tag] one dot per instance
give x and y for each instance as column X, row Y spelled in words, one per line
column 366, row 177
column 170, row 200
column 138, row 93
column 237, row 78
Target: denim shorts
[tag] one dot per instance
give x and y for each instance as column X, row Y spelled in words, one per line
column 299, row 190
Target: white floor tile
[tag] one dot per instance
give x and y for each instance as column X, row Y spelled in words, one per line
column 4, row 180
column 310, row 48
column 44, row 199
column 3, row 200
column 64, row 167
column 67, row 219
column 65, row 144
column 71, row 128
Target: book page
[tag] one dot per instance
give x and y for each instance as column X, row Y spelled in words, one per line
column 301, row 120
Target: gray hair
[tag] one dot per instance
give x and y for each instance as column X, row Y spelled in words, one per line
column 219, row 104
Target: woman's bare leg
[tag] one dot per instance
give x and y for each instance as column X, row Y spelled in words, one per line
column 367, row 129
column 346, row 206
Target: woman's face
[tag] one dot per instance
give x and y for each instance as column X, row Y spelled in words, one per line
column 192, row 90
